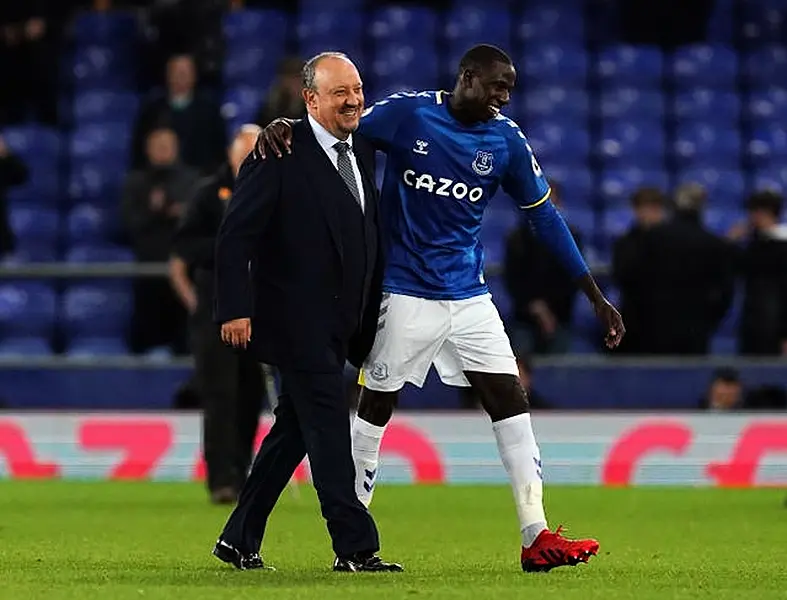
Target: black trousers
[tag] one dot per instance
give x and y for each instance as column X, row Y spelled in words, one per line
column 231, row 388
column 312, row 418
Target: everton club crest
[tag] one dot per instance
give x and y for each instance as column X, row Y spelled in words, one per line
column 483, row 163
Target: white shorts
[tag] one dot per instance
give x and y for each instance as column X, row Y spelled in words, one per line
column 454, row 335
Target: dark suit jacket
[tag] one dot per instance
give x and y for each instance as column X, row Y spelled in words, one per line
column 286, row 250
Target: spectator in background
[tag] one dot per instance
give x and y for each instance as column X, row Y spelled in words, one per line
column 285, row 98
column 230, row 383
column 541, row 290
column 676, row 279
column 195, row 118
column 153, row 200
column 12, row 172
column 725, row 391
column 29, row 37
column 763, row 266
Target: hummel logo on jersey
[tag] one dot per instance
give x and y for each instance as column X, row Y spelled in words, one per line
column 421, row 147
column 442, row 186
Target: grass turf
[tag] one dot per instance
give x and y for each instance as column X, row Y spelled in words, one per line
column 65, row 540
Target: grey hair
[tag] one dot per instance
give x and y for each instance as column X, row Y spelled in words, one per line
column 310, row 68
column 690, row 196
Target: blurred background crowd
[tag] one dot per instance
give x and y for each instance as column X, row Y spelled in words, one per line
column 662, row 125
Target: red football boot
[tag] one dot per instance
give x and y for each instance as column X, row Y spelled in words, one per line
column 552, row 550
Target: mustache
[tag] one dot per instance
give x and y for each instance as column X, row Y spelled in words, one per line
column 347, row 107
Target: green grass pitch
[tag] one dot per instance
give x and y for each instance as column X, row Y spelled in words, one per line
column 65, row 540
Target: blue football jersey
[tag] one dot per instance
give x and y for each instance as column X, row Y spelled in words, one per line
column 439, row 178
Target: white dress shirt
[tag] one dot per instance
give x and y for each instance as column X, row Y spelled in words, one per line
column 327, row 140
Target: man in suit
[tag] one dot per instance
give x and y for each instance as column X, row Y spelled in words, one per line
column 298, row 283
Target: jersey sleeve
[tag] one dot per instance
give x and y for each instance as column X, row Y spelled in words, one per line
column 524, row 180
column 381, row 121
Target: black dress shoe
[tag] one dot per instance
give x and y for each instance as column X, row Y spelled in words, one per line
column 245, row 562
column 356, row 564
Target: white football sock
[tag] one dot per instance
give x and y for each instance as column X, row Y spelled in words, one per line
column 522, row 461
column 366, row 440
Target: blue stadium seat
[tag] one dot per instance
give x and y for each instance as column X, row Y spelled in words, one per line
column 721, row 24
column 399, row 64
column 467, row 27
column 35, row 144
column 726, row 189
column 581, row 219
column 554, row 143
column 554, row 65
column 250, row 28
column 95, row 311
column 633, row 144
column 105, row 143
column 99, row 253
column 617, row 185
column 402, row 24
column 548, row 24
column 27, row 308
column 35, row 224
column 96, row 347
column 242, row 103
column 102, row 67
column 701, row 145
column 500, row 297
column 708, row 106
column 97, row 181
column 25, row 346
column 555, row 104
column 31, row 252
column 703, row 65
column 110, row 28
column 577, row 185
column 615, row 222
column 774, row 179
column 765, row 67
column 499, row 220
column 767, row 107
column 99, row 107
column 631, row 104
column 763, row 22
column 768, row 146
column 720, row 221
column 91, row 224
column 639, row 67
column 252, row 66
column 331, row 30
column 42, row 188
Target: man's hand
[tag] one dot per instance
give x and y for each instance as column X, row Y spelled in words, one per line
column 277, row 137
column 612, row 321
column 236, row 333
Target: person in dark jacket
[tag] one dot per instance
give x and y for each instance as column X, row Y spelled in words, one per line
column 12, row 172
column 230, row 384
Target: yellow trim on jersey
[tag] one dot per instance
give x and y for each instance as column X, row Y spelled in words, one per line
column 543, row 199
column 361, row 378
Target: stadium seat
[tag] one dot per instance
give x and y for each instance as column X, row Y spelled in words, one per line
column 718, row 108
column 616, row 221
column 767, row 107
column 763, row 22
column 331, row 30
column 35, row 224
column 553, row 142
column 25, row 347
column 397, row 24
column 35, row 144
column 108, row 142
column 548, row 23
column 583, row 220
column 725, row 189
column 705, row 66
column 765, row 67
column 618, row 185
column 97, row 181
column 721, row 24
column 469, row 26
column 100, row 253
column 91, row 224
column 554, row 104
column 631, row 104
column 393, row 65
column 554, row 65
column 252, row 66
column 577, row 184
column 111, row 28
column 31, row 252
column 244, row 28
column 720, row 221
column 95, row 311
column 96, row 347
column 99, row 107
column 768, row 146
column 103, row 67
column 638, row 67
column 632, row 144
column 500, row 297
column 27, row 308
column 705, row 145
column 774, row 179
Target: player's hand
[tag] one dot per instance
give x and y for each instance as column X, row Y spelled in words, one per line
column 276, row 137
column 236, row 333
column 612, row 321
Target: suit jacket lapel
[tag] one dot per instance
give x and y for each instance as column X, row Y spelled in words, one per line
column 326, row 177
